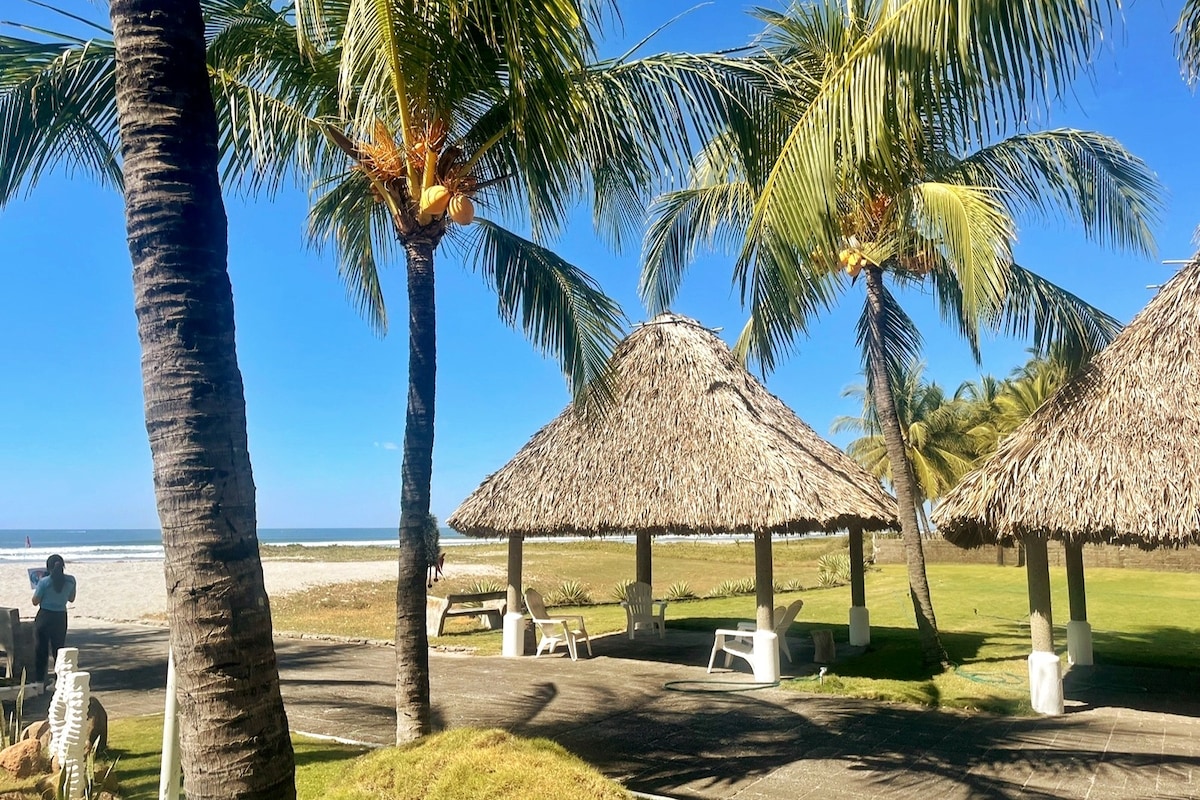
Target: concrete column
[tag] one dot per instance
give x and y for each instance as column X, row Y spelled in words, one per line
column 1079, row 631
column 860, row 618
column 1045, row 670
column 644, row 568
column 764, row 582
column 513, row 639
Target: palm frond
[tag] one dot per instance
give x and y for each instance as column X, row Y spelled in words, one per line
column 682, row 222
column 914, row 67
column 1054, row 317
column 345, row 218
column 57, row 109
column 1187, row 41
column 557, row 306
column 1114, row 195
column 974, row 232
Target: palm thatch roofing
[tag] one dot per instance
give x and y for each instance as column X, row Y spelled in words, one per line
column 692, row 444
column 1113, row 456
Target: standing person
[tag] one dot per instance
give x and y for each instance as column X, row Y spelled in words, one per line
column 51, row 596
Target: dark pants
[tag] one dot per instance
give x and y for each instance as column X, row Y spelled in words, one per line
column 49, row 634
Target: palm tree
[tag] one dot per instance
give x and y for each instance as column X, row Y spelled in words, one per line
column 998, row 407
column 234, row 738
column 404, row 116
column 937, row 435
column 876, row 167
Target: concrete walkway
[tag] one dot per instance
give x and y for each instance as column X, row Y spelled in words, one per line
column 646, row 713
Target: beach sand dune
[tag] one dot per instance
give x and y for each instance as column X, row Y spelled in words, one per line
column 124, row 591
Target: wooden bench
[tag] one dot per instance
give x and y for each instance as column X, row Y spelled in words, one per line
column 488, row 606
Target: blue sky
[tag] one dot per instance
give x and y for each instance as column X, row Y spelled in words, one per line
column 326, row 397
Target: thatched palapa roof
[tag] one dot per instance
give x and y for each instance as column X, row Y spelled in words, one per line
column 693, row 444
column 1114, row 455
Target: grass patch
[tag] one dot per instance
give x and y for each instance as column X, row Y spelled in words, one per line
column 473, row 764
column 462, row 764
column 135, row 747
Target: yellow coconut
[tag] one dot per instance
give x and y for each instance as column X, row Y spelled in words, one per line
column 853, row 269
column 434, row 199
column 462, row 210
column 844, row 256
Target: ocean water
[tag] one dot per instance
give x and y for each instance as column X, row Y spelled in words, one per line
column 145, row 544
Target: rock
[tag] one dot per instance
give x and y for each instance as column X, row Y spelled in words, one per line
column 24, row 759
column 97, row 725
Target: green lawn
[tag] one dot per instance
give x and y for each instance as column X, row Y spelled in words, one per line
column 1139, row 618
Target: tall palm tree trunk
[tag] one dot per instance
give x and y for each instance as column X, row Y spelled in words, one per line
column 412, row 639
column 932, row 651
column 234, row 739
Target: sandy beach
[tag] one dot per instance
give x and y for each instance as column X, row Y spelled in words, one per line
column 129, row 590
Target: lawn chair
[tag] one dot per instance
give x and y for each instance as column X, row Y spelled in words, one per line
column 643, row 611
column 566, row 628
column 740, row 645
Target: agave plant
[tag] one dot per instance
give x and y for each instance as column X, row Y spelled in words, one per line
column 571, row 593
column 681, row 590
column 833, row 569
column 621, row 589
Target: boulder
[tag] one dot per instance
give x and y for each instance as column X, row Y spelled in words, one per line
column 24, row 759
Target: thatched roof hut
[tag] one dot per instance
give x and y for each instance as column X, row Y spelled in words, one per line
column 1113, row 456
column 693, row 444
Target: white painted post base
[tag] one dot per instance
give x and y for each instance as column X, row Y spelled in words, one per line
column 765, row 660
column 1079, row 643
column 860, row 626
column 1045, row 683
column 513, row 641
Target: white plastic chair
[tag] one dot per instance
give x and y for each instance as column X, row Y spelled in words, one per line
column 643, row 611
column 564, row 628
column 784, row 617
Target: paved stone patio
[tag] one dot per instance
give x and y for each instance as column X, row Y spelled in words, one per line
column 646, row 713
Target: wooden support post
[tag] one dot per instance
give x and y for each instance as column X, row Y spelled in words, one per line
column 1041, row 619
column 516, row 596
column 764, row 582
column 1076, row 592
column 644, row 568
column 858, row 585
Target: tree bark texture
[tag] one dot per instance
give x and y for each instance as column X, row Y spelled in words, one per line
column 234, row 740
column 1076, row 588
column 413, row 718
column 1041, row 620
column 932, row 651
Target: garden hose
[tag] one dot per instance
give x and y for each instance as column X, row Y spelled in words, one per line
column 701, row 687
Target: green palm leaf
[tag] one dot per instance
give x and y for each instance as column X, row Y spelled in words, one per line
column 562, row 311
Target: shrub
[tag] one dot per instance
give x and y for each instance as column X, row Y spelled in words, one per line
column 621, row 589
column 833, row 569
column 570, row 593
column 732, row 588
column 681, row 590
column 792, row 585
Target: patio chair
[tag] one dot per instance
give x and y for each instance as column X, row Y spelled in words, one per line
column 643, row 611
column 564, row 628
column 783, row 616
